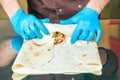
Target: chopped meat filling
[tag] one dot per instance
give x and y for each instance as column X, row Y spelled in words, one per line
column 58, row 37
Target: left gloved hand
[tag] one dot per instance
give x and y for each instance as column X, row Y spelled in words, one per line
column 87, row 25
column 28, row 26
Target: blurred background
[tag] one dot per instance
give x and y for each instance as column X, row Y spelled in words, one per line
column 109, row 19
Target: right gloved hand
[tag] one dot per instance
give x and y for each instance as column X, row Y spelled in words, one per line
column 87, row 25
column 28, row 26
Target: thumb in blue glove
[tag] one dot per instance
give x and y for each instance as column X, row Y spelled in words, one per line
column 28, row 26
column 87, row 25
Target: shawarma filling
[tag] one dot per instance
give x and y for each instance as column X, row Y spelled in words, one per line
column 58, row 37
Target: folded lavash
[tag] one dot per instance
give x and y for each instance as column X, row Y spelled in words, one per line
column 43, row 56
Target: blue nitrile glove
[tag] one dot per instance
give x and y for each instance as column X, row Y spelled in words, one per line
column 16, row 43
column 87, row 25
column 27, row 25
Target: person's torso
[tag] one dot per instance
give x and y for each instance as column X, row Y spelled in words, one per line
column 55, row 9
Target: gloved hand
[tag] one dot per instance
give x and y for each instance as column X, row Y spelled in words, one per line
column 27, row 25
column 87, row 25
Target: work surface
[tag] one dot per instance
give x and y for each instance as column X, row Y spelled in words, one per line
column 6, row 31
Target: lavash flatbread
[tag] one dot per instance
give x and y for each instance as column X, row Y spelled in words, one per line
column 43, row 56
